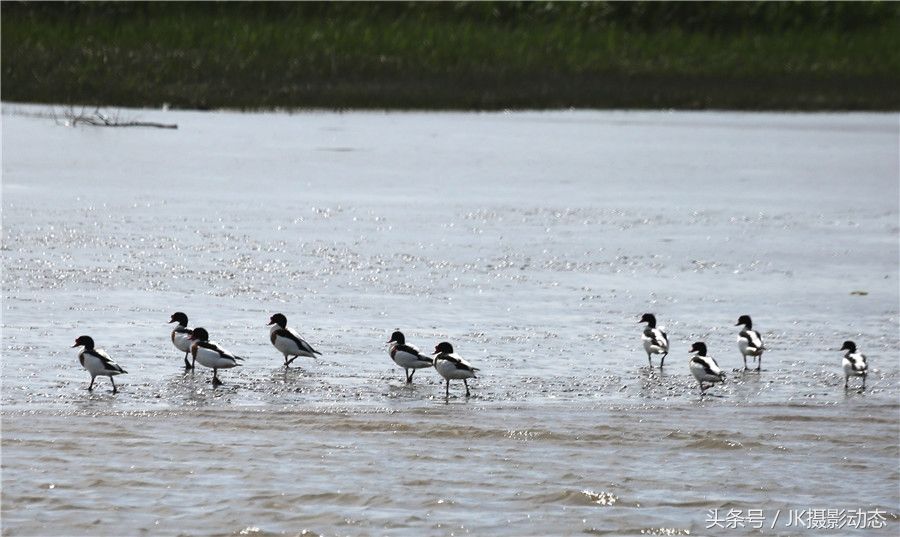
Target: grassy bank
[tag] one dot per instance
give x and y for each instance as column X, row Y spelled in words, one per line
column 804, row 56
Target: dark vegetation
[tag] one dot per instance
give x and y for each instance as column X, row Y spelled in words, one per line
column 455, row 55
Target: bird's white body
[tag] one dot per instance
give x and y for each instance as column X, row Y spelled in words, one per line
column 98, row 363
column 453, row 367
column 855, row 365
column 705, row 369
column 210, row 355
column 181, row 338
column 290, row 346
column 408, row 356
column 655, row 341
column 750, row 343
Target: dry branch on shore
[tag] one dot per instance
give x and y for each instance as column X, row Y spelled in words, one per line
column 99, row 119
column 96, row 118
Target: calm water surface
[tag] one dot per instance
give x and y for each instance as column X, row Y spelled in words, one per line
column 532, row 241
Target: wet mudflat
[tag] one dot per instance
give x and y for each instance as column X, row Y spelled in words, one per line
column 532, row 241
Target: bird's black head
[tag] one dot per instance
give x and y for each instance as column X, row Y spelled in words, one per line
column 444, row 347
column 648, row 318
column 849, row 346
column 397, row 337
column 84, row 341
column 180, row 318
column 744, row 320
column 200, row 334
column 278, row 319
column 699, row 347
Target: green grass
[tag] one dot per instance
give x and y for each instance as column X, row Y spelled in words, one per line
column 454, row 55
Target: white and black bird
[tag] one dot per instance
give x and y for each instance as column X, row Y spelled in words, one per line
column 211, row 355
column 97, row 362
column 452, row 366
column 407, row 356
column 288, row 342
column 704, row 368
column 181, row 336
column 855, row 364
column 655, row 340
column 750, row 342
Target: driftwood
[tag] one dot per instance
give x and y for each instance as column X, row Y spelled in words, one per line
column 96, row 118
column 70, row 118
column 100, row 119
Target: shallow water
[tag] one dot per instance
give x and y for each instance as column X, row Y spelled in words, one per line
column 532, row 241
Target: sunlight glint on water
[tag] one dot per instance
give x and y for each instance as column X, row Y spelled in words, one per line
column 532, row 241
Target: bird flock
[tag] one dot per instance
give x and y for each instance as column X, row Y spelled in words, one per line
column 707, row 371
column 195, row 344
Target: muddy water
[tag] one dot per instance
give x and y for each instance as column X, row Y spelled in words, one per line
column 532, row 241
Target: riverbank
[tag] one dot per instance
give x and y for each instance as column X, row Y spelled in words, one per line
column 454, row 55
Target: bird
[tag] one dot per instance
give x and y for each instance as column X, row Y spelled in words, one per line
column 181, row 336
column 452, row 366
column 704, row 368
column 407, row 356
column 288, row 342
column 749, row 341
column 855, row 364
column 211, row 355
column 97, row 362
column 655, row 340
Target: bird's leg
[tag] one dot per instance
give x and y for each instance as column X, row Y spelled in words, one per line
column 745, row 361
column 187, row 365
column 406, row 371
column 846, row 381
column 91, row 385
column 663, row 359
column 216, row 381
column 448, row 388
column 114, row 384
column 864, row 382
column 286, row 362
column 467, row 387
column 758, row 362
